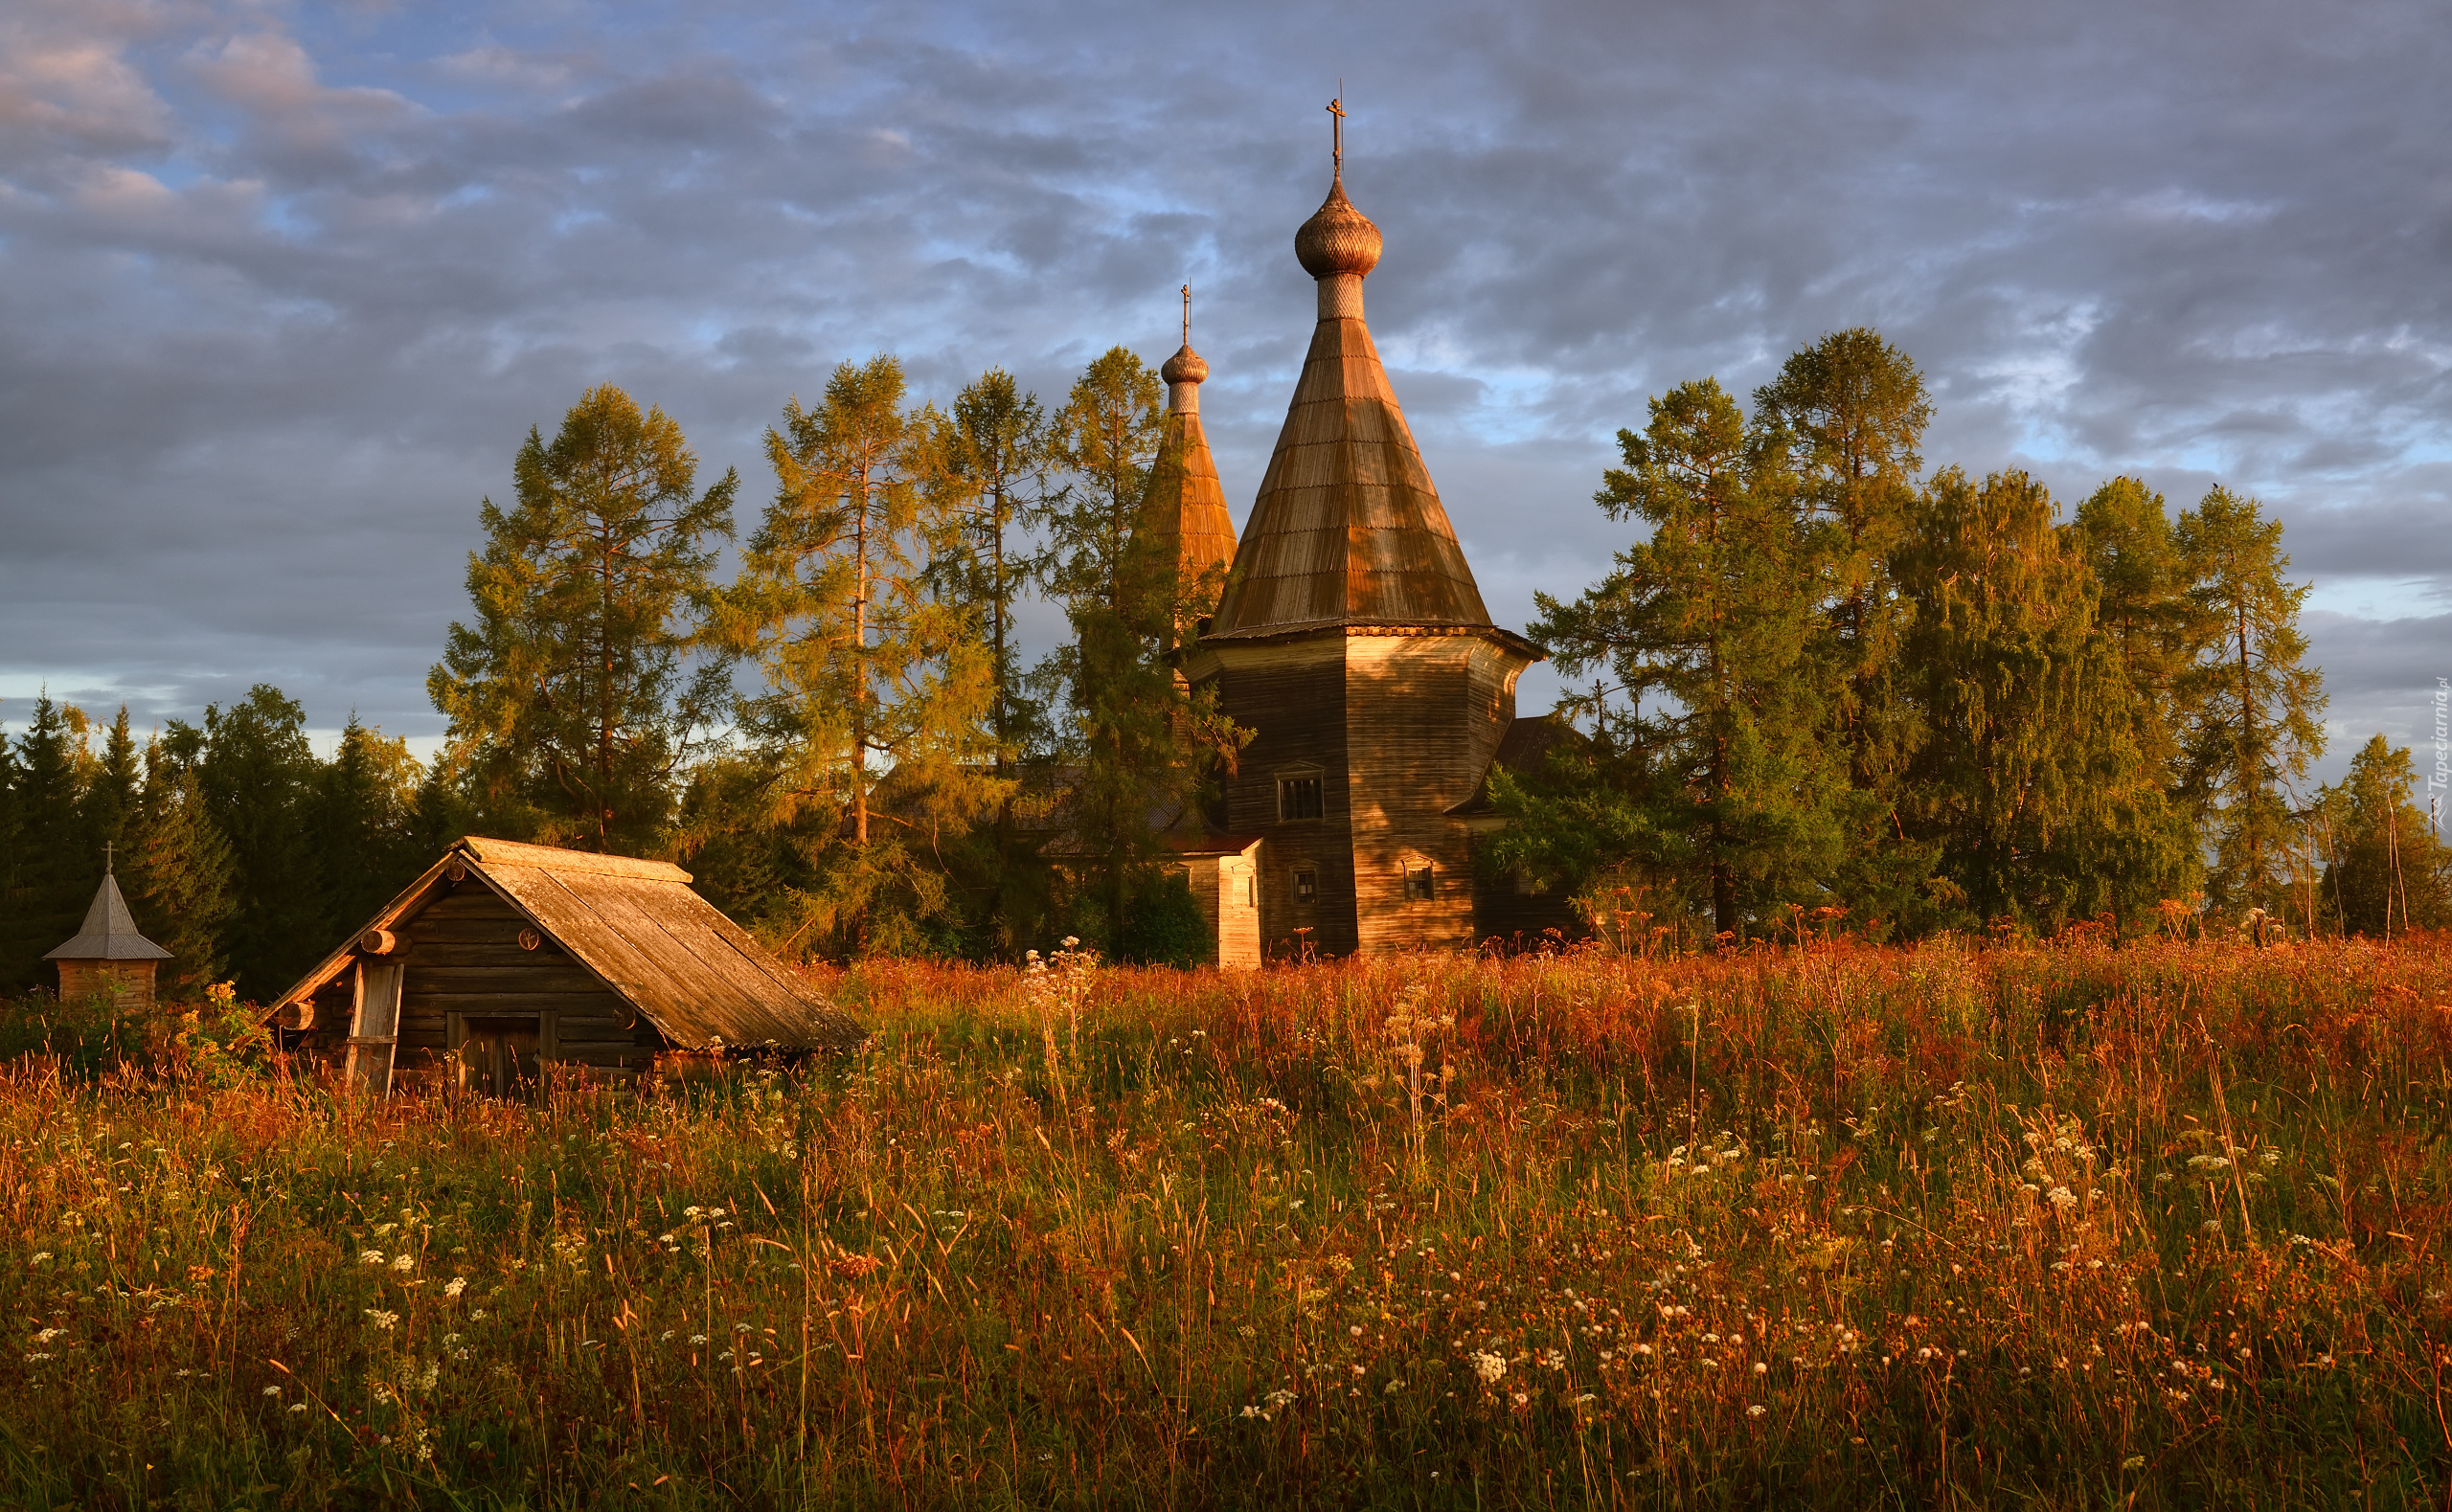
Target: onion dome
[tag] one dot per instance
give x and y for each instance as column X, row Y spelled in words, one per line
column 1185, row 367
column 1337, row 238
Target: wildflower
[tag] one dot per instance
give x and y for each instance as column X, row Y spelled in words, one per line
column 1762, row 1369
column 1755, row 1410
column 381, row 1319
column 1489, row 1368
column 1521, row 1399
column 2063, row 1199
column 297, row 1407
column 369, row 1258
column 404, row 1262
column 697, row 1339
column 272, row 1390
column 454, row 1286
column 40, row 1256
column 48, row 1335
column 1356, row 1332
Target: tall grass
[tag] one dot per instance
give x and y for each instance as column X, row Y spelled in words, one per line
column 2157, row 1226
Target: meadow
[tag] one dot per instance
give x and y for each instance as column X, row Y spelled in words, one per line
column 2059, row 1226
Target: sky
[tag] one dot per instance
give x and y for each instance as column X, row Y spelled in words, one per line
column 282, row 287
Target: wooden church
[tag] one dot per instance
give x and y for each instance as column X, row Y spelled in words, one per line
column 1351, row 639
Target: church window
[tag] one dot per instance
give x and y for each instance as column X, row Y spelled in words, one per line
column 1417, row 887
column 1297, row 797
column 1306, row 885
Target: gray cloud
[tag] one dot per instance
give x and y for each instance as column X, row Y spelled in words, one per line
column 281, row 291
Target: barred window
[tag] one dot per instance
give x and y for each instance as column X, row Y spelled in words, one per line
column 1306, row 885
column 1418, row 886
column 1297, row 797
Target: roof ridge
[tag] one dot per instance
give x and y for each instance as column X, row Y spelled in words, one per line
column 553, row 858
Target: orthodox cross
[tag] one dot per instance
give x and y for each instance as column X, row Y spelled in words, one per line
column 107, row 858
column 1186, row 315
column 1336, row 131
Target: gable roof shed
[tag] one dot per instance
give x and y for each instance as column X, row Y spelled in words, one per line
column 636, row 927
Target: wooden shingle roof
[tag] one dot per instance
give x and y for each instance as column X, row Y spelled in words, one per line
column 108, row 932
column 638, row 928
column 1348, row 528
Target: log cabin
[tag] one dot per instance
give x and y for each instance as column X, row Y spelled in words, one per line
column 505, row 958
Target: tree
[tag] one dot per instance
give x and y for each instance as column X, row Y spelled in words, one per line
column 1850, row 414
column 583, row 685
column 2253, row 707
column 995, row 452
column 181, row 878
column 362, row 826
column 2389, row 870
column 866, row 665
column 47, row 878
column 117, row 785
column 1702, row 631
column 2028, row 776
column 1137, row 741
column 254, row 769
column 2125, row 532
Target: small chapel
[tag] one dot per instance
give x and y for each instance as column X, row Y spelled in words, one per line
column 1351, row 639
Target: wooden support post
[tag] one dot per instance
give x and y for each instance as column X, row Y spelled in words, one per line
column 374, row 1025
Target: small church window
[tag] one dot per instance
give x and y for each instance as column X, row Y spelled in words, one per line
column 1306, row 885
column 1297, row 797
column 1251, row 892
column 1417, row 889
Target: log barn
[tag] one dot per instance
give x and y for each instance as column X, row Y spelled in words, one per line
column 506, row 957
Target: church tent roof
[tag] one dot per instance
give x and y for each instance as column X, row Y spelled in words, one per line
column 109, row 931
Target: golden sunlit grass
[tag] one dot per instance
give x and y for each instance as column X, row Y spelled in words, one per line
column 2053, row 1225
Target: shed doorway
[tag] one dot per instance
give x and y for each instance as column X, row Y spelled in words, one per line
column 503, row 1056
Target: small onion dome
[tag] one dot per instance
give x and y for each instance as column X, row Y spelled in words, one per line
column 1185, row 367
column 1337, row 239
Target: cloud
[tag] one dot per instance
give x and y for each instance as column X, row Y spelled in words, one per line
column 277, row 301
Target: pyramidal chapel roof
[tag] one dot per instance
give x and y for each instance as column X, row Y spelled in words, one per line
column 1348, row 528
column 109, row 932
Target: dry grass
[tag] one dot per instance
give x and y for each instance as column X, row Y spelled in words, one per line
column 2072, row 1227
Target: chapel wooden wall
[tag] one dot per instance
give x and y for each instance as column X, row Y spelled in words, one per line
column 1291, row 694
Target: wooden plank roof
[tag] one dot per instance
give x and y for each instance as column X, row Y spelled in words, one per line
column 109, row 931
column 1183, row 508
column 638, row 928
column 1348, row 528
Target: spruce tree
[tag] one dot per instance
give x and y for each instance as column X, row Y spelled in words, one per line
column 362, row 827
column 582, row 687
column 49, row 874
column 255, row 773
column 1702, row 639
column 117, row 785
column 180, row 877
column 2253, row 707
column 872, row 725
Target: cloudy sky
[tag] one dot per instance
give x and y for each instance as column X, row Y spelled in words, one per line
column 282, row 286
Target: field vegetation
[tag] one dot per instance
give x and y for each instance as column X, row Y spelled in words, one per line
column 2065, row 1226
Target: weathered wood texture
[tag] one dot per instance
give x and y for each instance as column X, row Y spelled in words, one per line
column 626, row 949
column 1348, row 527
column 1291, row 694
column 128, row 983
column 1227, row 886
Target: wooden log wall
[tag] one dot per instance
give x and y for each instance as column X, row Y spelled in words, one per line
column 1291, row 694
column 1424, row 714
column 464, row 956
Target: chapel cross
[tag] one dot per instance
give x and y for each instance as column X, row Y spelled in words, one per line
column 1186, row 315
column 107, row 858
column 1336, row 131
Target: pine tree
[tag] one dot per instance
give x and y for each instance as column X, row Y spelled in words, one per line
column 1702, row 631
column 1137, row 741
column 117, row 785
column 2253, row 707
column 872, row 723
column 582, row 688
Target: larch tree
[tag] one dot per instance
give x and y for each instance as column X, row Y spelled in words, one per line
column 995, row 452
column 1699, row 642
column 585, row 682
column 2029, row 775
column 2253, row 704
column 2388, row 871
column 872, row 724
